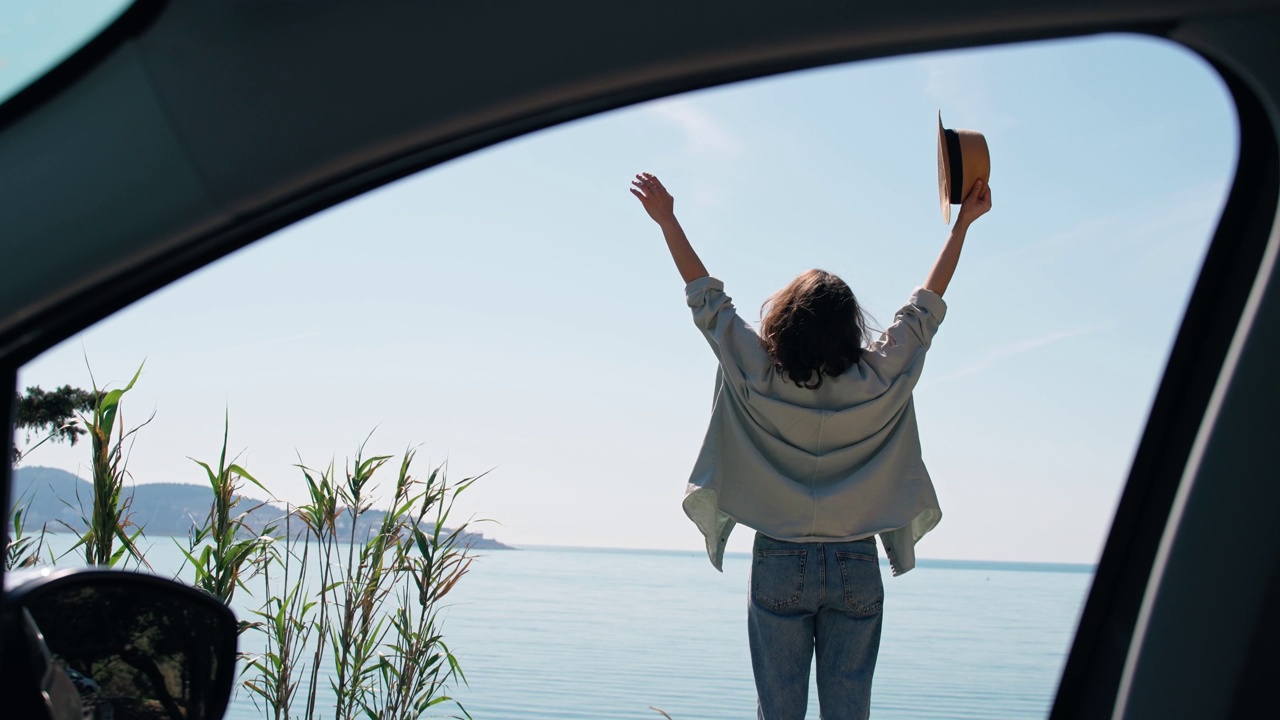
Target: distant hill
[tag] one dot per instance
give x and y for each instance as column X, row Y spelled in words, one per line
column 54, row 499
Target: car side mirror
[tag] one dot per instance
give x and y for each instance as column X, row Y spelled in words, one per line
column 106, row 644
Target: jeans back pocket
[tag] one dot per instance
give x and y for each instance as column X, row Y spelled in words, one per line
column 863, row 586
column 777, row 577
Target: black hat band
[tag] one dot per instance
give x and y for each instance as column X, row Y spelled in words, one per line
column 955, row 163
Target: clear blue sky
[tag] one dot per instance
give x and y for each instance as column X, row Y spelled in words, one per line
column 516, row 311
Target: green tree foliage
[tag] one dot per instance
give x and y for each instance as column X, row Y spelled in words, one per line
column 53, row 412
column 38, row 412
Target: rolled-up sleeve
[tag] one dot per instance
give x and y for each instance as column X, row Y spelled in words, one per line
column 922, row 315
column 706, row 298
column 906, row 340
column 733, row 339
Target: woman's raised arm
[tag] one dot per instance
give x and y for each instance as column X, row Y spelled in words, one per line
column 661, row 207
column 976, row 204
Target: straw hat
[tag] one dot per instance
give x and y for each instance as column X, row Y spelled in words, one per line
column 962, row 158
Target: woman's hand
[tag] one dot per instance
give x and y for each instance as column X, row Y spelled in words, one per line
column 975, row 205
column 655, row 198
column 660, row 206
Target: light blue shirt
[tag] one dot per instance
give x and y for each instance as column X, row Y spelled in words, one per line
column 836, row 463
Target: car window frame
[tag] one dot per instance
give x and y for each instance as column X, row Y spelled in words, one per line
column 1194, row 366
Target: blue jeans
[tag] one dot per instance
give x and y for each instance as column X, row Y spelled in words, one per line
column 808, row 597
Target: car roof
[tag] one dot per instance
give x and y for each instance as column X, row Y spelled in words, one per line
column 190, row 129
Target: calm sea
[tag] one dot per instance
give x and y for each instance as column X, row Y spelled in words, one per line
column 574, row 633
column 570, row 633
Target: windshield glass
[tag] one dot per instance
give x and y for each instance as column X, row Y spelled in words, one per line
column 37, row 35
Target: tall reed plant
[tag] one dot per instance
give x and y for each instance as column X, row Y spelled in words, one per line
column 415, row 676
column 285, row 622
column 320, row 516
column 20, row 549
column 374, row 619
column 224, row 548
column 109, row 517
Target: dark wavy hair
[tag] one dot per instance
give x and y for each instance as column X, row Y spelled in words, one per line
column 813, row 327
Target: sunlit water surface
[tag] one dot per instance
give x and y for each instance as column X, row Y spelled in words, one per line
column 587, row 633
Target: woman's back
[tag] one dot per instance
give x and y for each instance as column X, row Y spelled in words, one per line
column 839, row 461
column 841, row 410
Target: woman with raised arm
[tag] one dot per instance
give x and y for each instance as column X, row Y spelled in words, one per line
column 813, row 444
